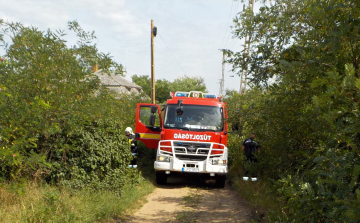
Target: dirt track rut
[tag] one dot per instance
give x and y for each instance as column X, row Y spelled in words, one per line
column 184, row 200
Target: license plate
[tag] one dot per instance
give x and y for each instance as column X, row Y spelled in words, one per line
column 190, row 169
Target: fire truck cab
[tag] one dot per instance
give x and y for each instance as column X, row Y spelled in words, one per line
column 191, row 138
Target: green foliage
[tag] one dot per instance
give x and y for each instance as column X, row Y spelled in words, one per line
column 236, row 156
column 186, row 83
column 143, row 81
column 164, row 87
column 45, row 203
column 162, row 90
column 306, row 147
column 326, row 193
column 59, row 123
column 308, row 118
column 96, row 157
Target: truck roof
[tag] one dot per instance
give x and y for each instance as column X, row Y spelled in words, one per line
column 195, row 98
column 196, row 101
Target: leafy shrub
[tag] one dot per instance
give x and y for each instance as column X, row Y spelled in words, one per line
column 59, row 123
column 312, row 158
column 97, row 158
column 308, row 117
column 329, row 192
column 235, row 154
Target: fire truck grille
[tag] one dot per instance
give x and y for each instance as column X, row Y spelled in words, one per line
column 191, row 158
column 192, row 148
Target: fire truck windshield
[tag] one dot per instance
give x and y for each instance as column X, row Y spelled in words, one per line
column 195, row 118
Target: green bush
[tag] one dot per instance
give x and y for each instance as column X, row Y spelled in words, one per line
column 235, row 154
column 59, row 123
column 314, row 169
column 307, row 117
column 329, row 192
column 97, row 158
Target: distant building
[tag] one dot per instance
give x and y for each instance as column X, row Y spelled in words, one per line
column 117, row 83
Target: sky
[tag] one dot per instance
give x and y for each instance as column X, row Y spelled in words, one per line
column 190, row 33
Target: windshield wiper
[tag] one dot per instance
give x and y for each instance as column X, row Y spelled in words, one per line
column 192, row 129
column 206, row 130
column 176, row 127
column 182, row 128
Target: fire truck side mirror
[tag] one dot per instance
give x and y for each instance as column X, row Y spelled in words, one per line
column 152, row 120
column 153, row 109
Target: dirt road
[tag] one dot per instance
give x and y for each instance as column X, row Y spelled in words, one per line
column 183, row 200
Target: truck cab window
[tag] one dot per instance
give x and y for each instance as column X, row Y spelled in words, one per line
column 195, row 117
column 145, row 112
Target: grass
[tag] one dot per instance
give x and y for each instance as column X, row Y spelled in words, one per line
column 44, row 203
column 193, row 199
column 186, row 217
column 266, row 206
column 189, row 214
column 40, row 202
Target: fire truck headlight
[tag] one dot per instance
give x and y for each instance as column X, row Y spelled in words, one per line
column 219, row 162
column 163, row 158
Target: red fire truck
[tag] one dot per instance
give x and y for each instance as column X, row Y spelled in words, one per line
column 190, row 139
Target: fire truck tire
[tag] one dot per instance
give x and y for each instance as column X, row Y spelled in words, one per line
column 220, row 182
column 161, row 178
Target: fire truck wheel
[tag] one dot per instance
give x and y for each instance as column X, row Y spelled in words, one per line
column 220, row 182
column 161, row 178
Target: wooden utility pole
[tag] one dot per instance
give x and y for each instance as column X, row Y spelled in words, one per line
column 243, row 79
column 153, row 34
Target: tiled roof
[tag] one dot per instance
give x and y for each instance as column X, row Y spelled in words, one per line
column 115, row 80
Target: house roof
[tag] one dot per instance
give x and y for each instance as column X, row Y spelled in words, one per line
column 115, row 80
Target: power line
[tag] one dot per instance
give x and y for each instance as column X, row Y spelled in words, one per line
column 171, row 53
column 237, row 6
column 232, row 43
column 243, row 79
column 232, row 3
column 236, row 40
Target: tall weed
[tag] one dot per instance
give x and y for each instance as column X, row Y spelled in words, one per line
column 44, row 203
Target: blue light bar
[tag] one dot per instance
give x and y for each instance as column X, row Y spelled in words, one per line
column 180, row 95
column 210, row 96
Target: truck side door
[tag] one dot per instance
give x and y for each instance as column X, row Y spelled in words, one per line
column 148, row 134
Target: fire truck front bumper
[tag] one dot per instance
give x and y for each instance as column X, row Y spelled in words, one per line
column 205, row 158
column 214, row 166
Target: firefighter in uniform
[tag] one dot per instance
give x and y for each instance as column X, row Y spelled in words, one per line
column 133, row 145
column 250, row 147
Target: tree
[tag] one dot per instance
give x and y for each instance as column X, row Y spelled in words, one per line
column 163, row 87
column 57, row 122
column 309, row 117
column 186, row 83
column 144, row 82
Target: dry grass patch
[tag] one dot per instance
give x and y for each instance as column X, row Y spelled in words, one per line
column 44, row 203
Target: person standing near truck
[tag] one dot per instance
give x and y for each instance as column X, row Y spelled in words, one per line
column 133, row 146
column 250, row 148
